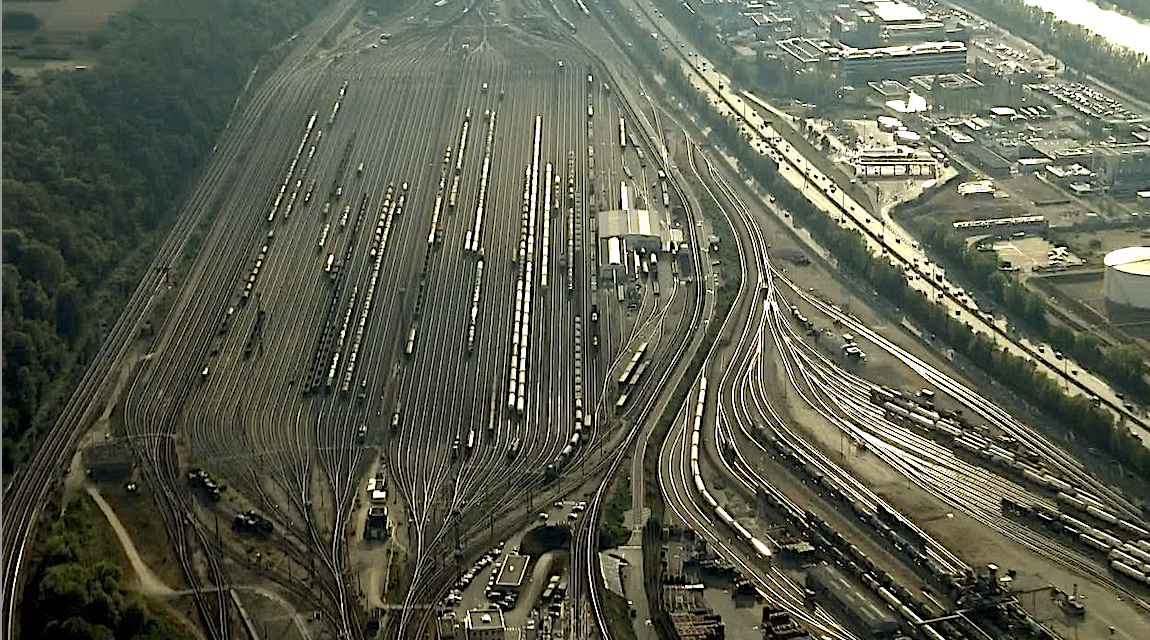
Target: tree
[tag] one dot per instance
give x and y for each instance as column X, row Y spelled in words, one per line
column 20, row 21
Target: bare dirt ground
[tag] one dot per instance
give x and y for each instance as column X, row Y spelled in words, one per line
column 146, row 581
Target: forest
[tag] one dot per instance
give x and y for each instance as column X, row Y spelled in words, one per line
column 95, row 165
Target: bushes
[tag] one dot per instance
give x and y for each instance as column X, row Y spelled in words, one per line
column 612, row 532
column 1124, row 366
column 1076, row 413
column 77, row 594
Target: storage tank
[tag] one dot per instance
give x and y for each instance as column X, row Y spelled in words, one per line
column 1127, row 277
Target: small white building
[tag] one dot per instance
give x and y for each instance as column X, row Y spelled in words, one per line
column 484, row 624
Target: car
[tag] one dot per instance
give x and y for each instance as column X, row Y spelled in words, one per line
column 558, row 504
column 572, row 516
column 543, row 515
column 580, row 506
column 361, row 434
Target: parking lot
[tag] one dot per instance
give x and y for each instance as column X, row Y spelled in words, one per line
column 1033, row 253
column 545, row 577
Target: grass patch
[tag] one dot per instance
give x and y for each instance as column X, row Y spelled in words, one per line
column 618, row 614
column 612, row 531
column 79, row 589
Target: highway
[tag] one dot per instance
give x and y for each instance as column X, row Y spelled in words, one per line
column 833, row 198
column 399, row 277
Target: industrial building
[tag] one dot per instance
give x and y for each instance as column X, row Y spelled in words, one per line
column 484, row 624
column 949, row 92
column 623, row 231
column 689, row 614
column 1125, row 168
column 1126, row 278
column 800, row 53
column 987, row 161
column 897, row 160
column 903, row 62
column 850, row 601
column 884, row 23
column 988, row 226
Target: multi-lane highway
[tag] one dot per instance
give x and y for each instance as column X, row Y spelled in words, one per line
column 881, row 235
column 399, row 277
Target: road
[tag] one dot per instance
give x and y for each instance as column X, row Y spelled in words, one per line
column 363, row 272
column 833, row 199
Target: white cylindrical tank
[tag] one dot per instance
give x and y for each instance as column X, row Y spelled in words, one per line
column 1127, row 277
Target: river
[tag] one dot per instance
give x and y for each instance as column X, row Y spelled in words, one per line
column 1115, row 27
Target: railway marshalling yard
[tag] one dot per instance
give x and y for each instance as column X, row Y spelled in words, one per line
column 413, row 297
column 400, row 281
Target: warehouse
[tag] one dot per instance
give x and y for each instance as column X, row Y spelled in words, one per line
column 988, row 161
column 485, row 624
column 990, row 226
column 845, row 598
column 903, row 62
column 1126, row 168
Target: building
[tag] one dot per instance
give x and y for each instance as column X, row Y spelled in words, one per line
column 798, row 53
column 446, row 626
column 950, row 92
column 988, row 161
column 1125, row 168
column 484, row 624
column 976, row 188
column 887, row 23
column 861, row 608
column 989, row 226
column 1127, row 278
column 108, row 461
column 512, row 572
column 903, row 62
column 624, row 230
column 689, row 614
column 376, row 526
column 897, row 160
column 779, row 625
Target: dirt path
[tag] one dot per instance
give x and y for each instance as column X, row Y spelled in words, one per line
column 149, row 583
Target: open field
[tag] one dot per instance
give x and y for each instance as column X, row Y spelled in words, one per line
column 61, row 42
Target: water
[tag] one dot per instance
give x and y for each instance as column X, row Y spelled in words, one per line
column 1117, row 28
